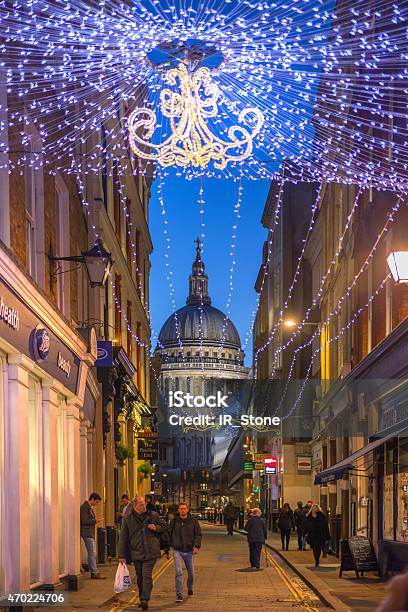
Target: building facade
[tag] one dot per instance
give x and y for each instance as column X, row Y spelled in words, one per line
column 58, row 440
column 279, row 375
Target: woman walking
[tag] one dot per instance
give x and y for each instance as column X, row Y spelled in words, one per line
column 256, row 535
column 317, row 530
column 286, row 524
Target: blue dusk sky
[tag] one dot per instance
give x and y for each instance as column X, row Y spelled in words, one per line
column 181, row 199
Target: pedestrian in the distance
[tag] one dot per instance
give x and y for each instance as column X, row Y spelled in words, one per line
column 286, row 524
column 125, row 508
column 88, row 522
column 150, row 507
column 139, row 543
column 229, row 518
column 317, row 530
column 185, row 538
column 256, row 536
column 300, row 522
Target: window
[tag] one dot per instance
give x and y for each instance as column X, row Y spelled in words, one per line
column 388, row 489
column 34, row 200
column 62, row 243
column 402, row 524
column 162, row 453
column 128, row 236
column 116, row 201
column 129, row 348
column 139, row 283
column 138, row 355
column 35, row 480
column 118, row 309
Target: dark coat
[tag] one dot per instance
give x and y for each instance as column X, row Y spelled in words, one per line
column 285, row 521
column 256, row 529
column 300, row 518
column 88, row 520
column 230, row 514
column 317, row 529
column 185, row 534
column 136, row 541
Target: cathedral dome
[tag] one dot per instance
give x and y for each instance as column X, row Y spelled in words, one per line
column 198, row 323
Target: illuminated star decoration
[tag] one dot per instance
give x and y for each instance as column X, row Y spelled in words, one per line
column 329, row 82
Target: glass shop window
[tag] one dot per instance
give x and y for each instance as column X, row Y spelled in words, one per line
column 388, row 504
column 402, row 522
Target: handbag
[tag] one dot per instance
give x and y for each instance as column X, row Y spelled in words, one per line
column 123, row 581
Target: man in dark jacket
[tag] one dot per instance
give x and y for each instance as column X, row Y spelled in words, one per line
column 300, row 522
column 229, row 518
column 256, row 535
column 139, row 543
column 185, row 537
column 88, row 522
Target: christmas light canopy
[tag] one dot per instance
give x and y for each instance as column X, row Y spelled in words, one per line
column 216, row 88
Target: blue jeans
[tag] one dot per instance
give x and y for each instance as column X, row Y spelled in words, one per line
column 91, row 550
column 187, row 557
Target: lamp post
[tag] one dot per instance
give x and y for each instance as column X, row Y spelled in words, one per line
column 97, row 260
column 398, row 265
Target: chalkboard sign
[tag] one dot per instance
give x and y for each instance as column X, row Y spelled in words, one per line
column 358, row 554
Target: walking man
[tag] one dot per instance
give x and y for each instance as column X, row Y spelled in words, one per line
column 88, row 522
column 229, row 518
column 185, row 536
column 139, row 543
column 256, row 535
column 300, row 521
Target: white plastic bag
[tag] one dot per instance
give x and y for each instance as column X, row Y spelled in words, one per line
column 123, row 582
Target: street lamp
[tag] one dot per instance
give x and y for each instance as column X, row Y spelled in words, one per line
column 291, row 323
column 398, row 264
column 97, row 260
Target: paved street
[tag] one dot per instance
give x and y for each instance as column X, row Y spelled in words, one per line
column 223, row 579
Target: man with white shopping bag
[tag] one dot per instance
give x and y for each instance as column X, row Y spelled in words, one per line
column 139, row 543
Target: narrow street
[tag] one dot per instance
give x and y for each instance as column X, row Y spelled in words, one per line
column 223, row 579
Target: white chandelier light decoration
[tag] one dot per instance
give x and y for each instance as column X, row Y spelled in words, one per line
column 192, row 142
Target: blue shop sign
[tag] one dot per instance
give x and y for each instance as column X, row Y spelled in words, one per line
column 104, row 355
column 41, row 342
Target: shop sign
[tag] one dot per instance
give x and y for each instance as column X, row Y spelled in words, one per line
column 64, row 364
column 249, row 466
column 148, row 449
column 304, row 464
column 9, row 315
column 104, row 354
column 41, row 343
column 270, row 464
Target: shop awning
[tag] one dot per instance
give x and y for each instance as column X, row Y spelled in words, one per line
column 337, row 471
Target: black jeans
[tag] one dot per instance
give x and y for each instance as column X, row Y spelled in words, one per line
column 285, row 536
column 144, row 571
column 255, row 549
column 317, row 551
column 230, row 527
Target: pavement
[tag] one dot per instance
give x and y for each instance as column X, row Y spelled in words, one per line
column 347, row 593
column 223, row 580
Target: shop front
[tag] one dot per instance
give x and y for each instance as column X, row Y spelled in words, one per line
column 44, row 376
